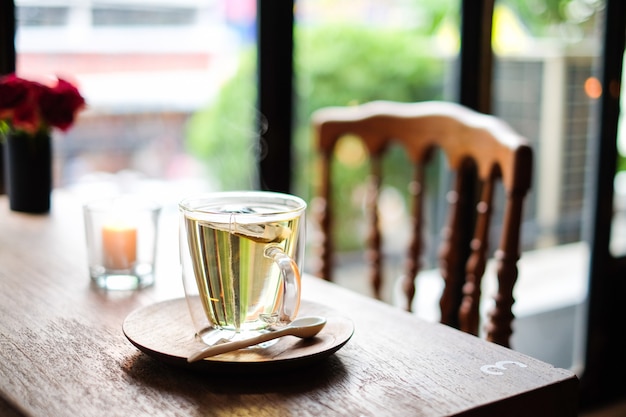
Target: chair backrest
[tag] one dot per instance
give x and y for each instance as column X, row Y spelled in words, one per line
column 480, row 149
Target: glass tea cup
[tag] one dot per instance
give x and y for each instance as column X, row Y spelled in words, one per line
column 240, row 253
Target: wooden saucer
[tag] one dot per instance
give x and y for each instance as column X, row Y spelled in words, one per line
column 165, row 332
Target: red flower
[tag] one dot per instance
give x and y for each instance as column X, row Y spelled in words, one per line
column 59, row 105
column 14, row 99
column 13, row 91
column 31, row 106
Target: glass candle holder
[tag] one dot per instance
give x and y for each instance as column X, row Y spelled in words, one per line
column 121, row 235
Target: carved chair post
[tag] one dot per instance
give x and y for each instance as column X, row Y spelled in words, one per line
column 324, row 212
column 454, row 251
column 469, row 310
column 374, row 239
column 499, row 326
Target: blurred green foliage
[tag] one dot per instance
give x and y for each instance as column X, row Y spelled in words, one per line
column 558, row 18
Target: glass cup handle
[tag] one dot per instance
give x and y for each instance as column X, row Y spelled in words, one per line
column 291, row 283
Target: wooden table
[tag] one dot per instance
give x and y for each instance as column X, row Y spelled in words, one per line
column 63, row 352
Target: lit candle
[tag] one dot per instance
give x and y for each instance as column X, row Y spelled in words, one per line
column 119, row 246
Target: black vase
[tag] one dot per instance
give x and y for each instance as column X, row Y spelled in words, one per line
column 28, row 171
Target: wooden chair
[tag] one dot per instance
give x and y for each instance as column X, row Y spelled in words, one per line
column 480, row 149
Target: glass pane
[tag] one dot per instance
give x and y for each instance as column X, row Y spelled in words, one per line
column 543, row 85
column 152, row 73
column 618, row 228
column 546, row 54
column 356, row 51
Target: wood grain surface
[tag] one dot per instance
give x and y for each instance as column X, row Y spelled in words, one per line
column 63, row 351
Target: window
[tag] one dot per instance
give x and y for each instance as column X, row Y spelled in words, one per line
column 150, row 71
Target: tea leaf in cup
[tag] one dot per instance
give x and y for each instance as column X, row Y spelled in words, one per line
column 263, row 233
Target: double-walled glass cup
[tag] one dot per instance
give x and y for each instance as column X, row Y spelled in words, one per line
column 240, row 253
